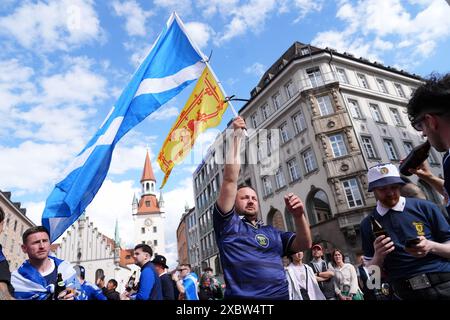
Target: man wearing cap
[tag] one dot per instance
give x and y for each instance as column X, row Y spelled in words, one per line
column 167, row 284
column 324, row 274
column 88, row 291
column 415, row 249
column 251, row 253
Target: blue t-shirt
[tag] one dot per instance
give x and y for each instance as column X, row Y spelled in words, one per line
column 5, row 275
column 149, row 287
column 190, row 284
column 419, row 218
column 90, row 291
column 446, row 165
column 251, row 257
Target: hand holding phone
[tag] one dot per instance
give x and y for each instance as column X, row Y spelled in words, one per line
column 409, row 243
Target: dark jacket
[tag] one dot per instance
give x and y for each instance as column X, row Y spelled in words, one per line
column 111, row 294
column 168, row 291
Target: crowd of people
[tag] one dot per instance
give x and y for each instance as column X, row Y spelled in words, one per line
column 407, row 258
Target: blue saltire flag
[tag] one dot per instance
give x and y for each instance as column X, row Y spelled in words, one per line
column 172, row 63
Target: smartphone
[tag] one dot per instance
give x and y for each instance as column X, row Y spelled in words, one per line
column 411, row 242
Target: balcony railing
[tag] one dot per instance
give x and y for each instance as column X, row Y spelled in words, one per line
column 317, row 81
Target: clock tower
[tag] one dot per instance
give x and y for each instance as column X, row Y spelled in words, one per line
column 148, row 214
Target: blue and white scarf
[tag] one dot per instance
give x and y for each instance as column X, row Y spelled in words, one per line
column 29, row 284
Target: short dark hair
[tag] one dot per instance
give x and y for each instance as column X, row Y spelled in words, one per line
column 145, row 248
column 359, row 253
column 186, row 265
column 208, row 269
column 2, row 215
column 81, row 272
column 244, row 185
column 113, row 281
column 33, row 230
column 431, row 97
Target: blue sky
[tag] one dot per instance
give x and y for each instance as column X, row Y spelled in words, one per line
column 63, row 64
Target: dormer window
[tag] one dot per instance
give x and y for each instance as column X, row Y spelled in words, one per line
column 304, row 51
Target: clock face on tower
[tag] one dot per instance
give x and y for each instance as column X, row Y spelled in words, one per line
column 148, row 222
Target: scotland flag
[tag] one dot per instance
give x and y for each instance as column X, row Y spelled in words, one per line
column 172, row 64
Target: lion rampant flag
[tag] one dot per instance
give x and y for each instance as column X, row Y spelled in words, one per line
column 204, row 109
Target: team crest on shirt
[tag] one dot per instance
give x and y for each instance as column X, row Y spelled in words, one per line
column 262, row 240
column 419, row 228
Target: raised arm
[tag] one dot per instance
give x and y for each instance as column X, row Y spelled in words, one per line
column 302, row 233
column 228, row 190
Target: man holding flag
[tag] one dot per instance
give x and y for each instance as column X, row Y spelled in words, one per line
column 172, row 64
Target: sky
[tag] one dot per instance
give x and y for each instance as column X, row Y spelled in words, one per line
column 64, row 63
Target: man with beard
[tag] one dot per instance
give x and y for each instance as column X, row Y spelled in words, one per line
column 251, row 253
column 413, row 240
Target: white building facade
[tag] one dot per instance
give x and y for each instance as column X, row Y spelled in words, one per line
column 317, row 120
column 328, row 118
column 83, row 244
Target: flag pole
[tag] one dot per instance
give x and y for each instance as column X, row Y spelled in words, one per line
column 223, row 90
column 206, row 61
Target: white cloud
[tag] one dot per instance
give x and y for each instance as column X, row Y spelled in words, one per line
column 256, row 69
column 182, row 7
column 16, row 87
column 34, row 211
column 31, row 166
column 251, row 16
column 387, row 25
column 175, row 201
column 128, row 158
column 135, row 16
column 306, row 6
column 382, row 44
column 113, row 201
column 200, row 33
column 212, row 7
column 139, row 51
column 66, row 125
column 79, row 85
column 164, row 113
column 57, row 25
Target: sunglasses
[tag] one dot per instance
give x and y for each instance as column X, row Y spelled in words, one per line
column 417, row 123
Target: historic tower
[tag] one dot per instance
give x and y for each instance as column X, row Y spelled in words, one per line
column 148, row 215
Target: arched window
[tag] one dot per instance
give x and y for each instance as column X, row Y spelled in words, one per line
column 275, row 218
column 318, row 206
column 429, row 192
column 147, row 186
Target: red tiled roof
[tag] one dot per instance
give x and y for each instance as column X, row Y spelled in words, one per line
column 148, row 204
